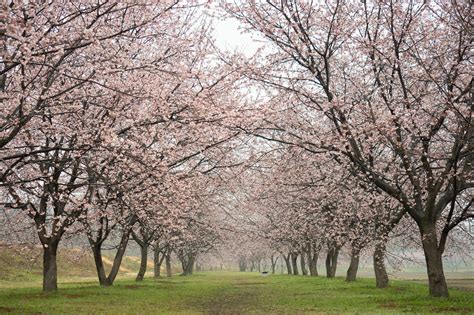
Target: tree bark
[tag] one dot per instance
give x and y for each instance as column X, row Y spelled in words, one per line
column 157, row 260
column 99, row 264
column 97, row 251
column 354, row 265
column 331, row 262
column 50, row 268
column 313, row 263
column 294, row 263
column 191, row 265
column 143, row 262
column 242, row 264
column 273, row 261
column 168, row 263
column 434, row 262
column 304, row 271
column 288, row 263
column 381, row 277
column 119, row 256
column 187, row 263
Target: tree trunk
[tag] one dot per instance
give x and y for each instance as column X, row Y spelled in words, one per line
column 313, row 263
column 191, row 265
column 187, row 265
column 381, row 277
column 294, row 263
column 97, row 251
column 242, row 264
column 50, row 268
column 288, row 263
column 434, row 262
column 143, row 262
column 157, row 262
column 99, row 264
column 354, row 265
column 331, row 262
column 168, row 263
column 119, row 256
column 334, row 262
column 273, row 261
column 304, row 271
column 328, row 264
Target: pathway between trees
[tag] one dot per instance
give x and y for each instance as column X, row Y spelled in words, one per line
column 237, row 295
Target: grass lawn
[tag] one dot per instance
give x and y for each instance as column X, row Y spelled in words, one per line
column 229, row 293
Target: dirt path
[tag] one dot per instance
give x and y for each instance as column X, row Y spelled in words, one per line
column 237, row 297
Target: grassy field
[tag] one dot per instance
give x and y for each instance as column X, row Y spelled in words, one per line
column 229, row 293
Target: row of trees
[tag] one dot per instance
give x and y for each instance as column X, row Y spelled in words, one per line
column 374, row 102
column 108, row 126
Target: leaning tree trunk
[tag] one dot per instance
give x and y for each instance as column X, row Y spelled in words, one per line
column 294, row 263
column 119, row 256
column 97, row 251
column 354, row 265
column 99, row 264
column 331, row 262
column 304, row 271
column 168, row 263
column 288, row 263
column 381, row 277
column 434, row 262
column 50, row 267
column 143, row 262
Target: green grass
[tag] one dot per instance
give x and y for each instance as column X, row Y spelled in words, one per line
column 229, row 293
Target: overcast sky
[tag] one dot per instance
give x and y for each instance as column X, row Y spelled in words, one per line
column 229, row 37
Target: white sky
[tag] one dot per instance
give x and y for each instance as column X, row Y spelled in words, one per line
column 229, row 37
